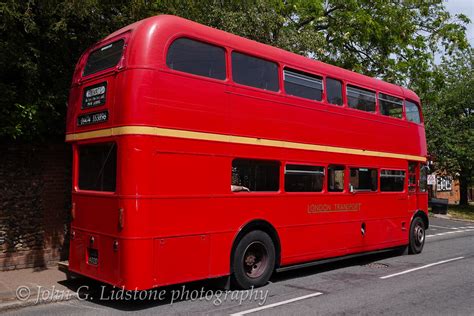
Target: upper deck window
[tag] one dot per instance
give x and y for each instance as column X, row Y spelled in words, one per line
column 105, row 57
column 197, row 58
column 254, row 72
column 334, row 91
column 361, row 99
column 390, row 106
column 303, row 85
column 412, row 112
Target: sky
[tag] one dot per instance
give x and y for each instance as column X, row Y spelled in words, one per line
column 466, row 7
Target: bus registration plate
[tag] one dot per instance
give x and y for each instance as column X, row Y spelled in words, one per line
column 92, row 118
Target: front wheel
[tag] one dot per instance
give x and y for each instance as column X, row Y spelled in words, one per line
column 417, row 236
column 254, row 260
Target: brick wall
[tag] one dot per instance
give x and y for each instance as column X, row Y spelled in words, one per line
column 35, row 187
column 453, row 196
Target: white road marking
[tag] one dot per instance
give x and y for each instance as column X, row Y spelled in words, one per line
column 444, row 227
column 253, row 310
column 450, row 232
column 422, row 267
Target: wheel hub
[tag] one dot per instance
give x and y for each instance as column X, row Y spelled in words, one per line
column 255, row 259
column 419, row 234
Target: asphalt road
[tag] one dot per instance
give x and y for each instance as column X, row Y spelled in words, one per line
column 440, row 281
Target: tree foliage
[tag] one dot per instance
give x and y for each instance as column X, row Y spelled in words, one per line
column 41, row 41
column 450, row 119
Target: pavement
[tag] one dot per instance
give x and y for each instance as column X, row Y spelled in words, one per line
column 439, row 281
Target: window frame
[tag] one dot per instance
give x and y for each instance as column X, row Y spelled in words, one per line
column 364, row 191
column 316, row 164
column 280, row 180
column 405, row 180
column 303, row 73
column 120, row 64
column 419, row 111
column 241, row 85
column 345, row 183
column 348, row 85
column 379, row 106
column 76, row 167
column 189, row 74
column 343, row 92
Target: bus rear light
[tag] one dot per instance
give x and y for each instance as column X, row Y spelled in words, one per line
column 120, row 219
column 73, row 210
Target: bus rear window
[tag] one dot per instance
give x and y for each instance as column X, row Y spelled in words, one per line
column 105, row 57
column 98, row 167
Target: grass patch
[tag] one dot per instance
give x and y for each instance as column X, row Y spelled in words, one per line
column 461, row 212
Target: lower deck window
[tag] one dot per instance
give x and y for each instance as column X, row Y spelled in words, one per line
column 392, row 180
column 363, row 179
column 302, row 178
column 336, row 178
column 255, row 175
column 98, row 167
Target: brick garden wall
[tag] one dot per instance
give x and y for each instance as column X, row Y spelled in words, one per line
column 35, row 182
column 453, row 196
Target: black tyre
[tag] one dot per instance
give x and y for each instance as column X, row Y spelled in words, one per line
column 253, row 261
column 417, row 236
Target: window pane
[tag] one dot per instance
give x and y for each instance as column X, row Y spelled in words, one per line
column 334, row 91
column 303, row 85
column 361, row 99
column 363, row 179
column 98, row 167
column 392, row 180
column 336, row 178
column 255, row 175
column 301, row 178
column 254, row 72
column 105, row 57
column 390, row 106
column 413, row 113
column 423, row 178
column 197, row 58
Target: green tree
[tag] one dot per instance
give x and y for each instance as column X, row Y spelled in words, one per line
column 41, row 41
column 450, row 120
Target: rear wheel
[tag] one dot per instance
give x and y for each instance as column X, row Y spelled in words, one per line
column 417, row 236
column 253, row 261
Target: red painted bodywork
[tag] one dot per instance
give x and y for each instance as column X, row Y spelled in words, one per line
column 180, row 217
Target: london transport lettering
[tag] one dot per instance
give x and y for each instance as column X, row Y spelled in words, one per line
column 336, row 207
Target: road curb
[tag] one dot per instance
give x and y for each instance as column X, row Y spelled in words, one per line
column 8, row 305
column 451, row 218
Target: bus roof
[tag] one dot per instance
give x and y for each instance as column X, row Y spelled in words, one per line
column 144, row 31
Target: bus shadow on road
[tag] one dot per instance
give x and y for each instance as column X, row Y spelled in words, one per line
column 199, row 291
column 335, row 264
column 129, row 300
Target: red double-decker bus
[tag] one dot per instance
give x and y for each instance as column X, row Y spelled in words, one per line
column 200, row 154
